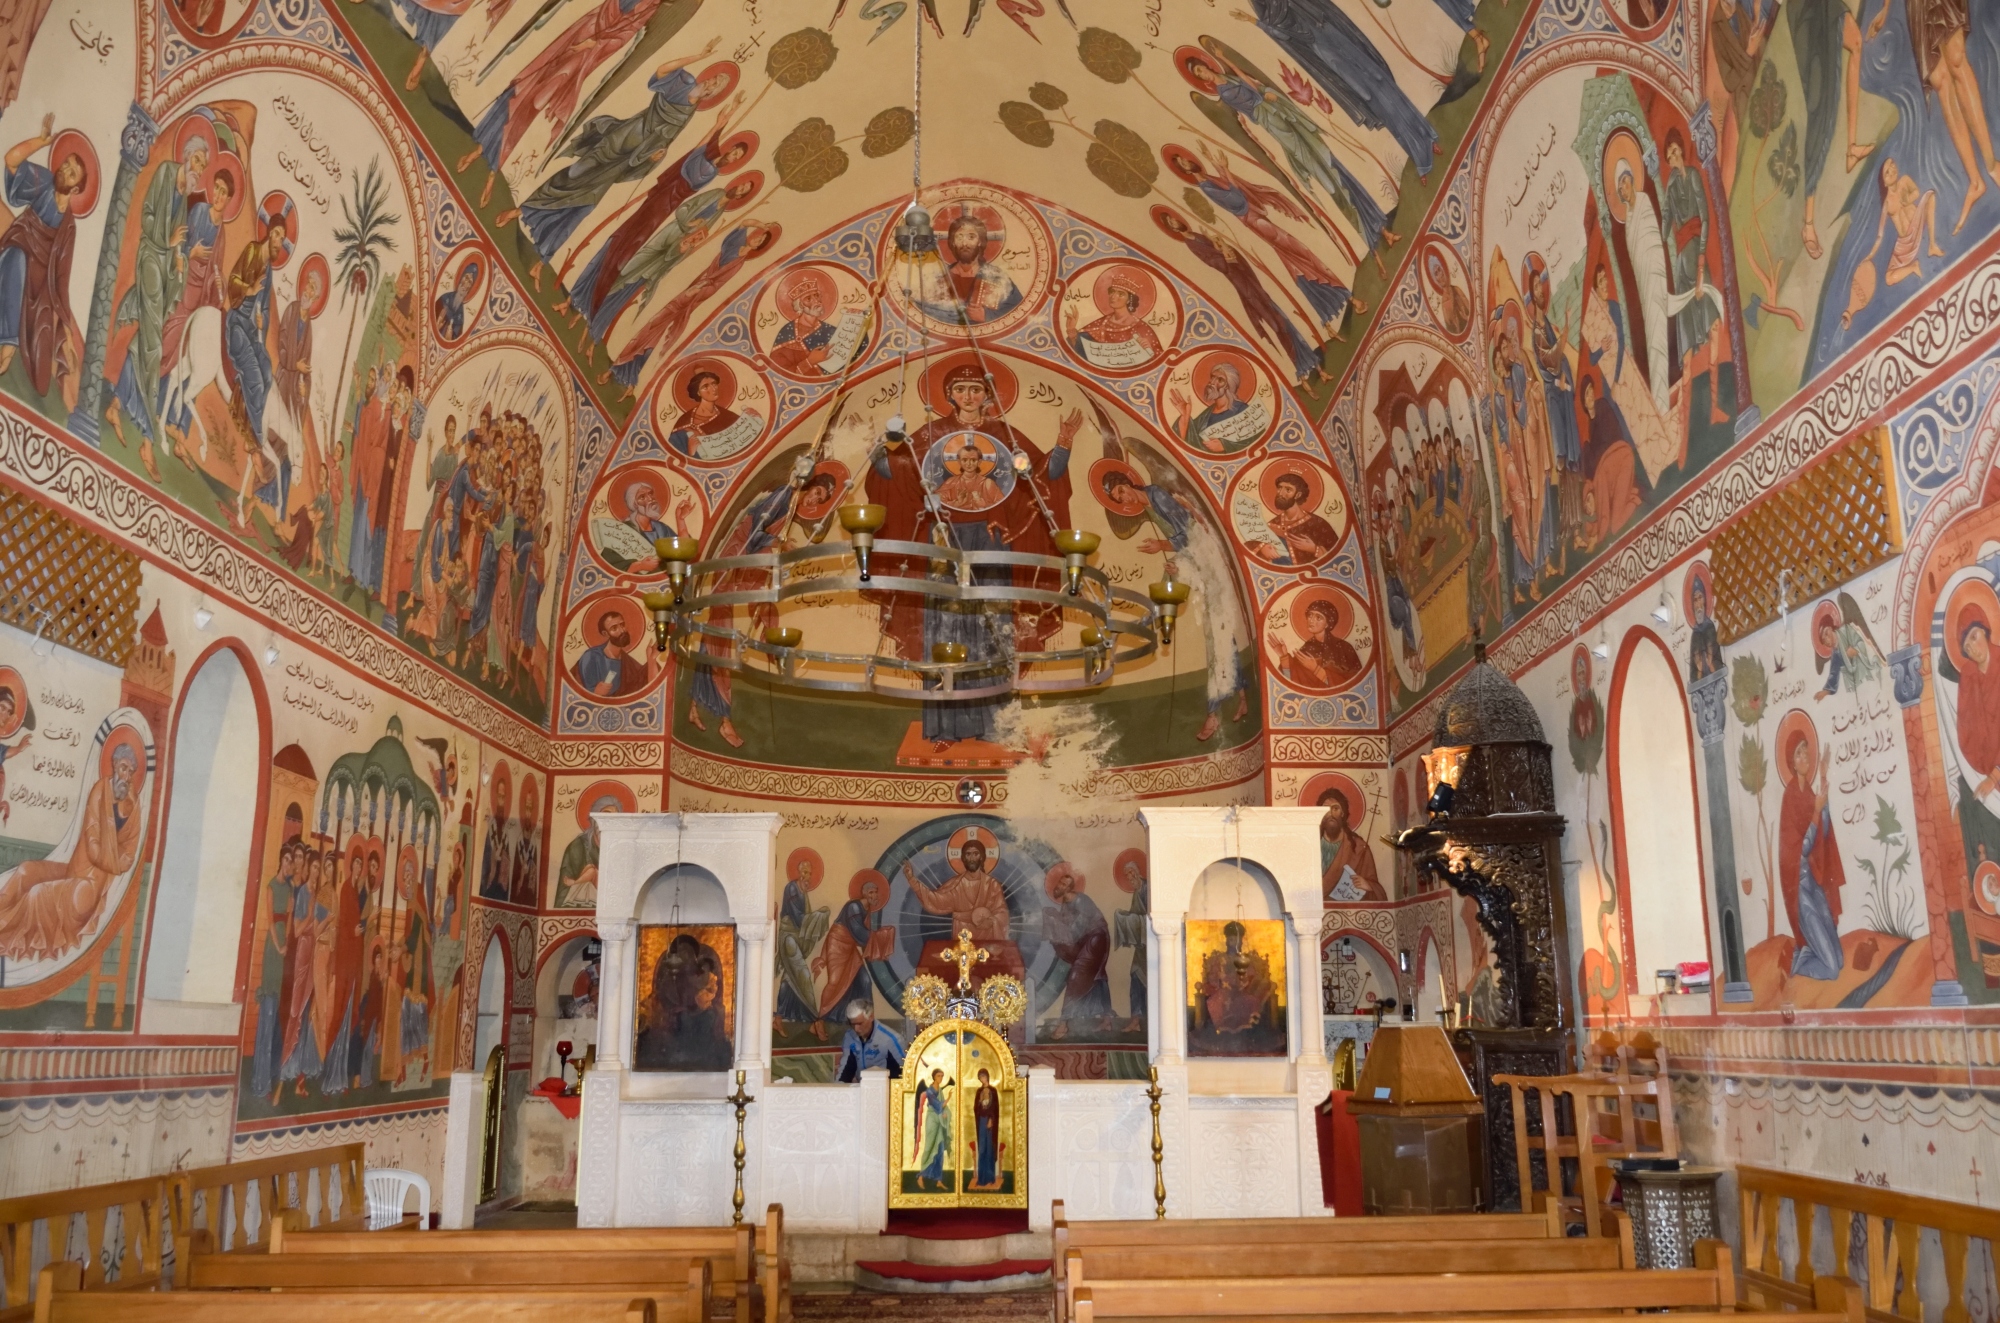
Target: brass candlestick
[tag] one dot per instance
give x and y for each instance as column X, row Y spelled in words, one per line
column 1154, row 1093
column 742, row 1100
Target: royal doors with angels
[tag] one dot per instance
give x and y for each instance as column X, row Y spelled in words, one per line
column 958, row 1122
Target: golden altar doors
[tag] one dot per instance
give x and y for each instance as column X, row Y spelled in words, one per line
column 958, row 1122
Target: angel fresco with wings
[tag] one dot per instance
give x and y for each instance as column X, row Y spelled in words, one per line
column 1843, row 646
column 1184, row 532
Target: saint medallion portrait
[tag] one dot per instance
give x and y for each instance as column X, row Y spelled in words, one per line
column 1219, row 402
column 1118, row 317
column 1317, row 637
column 712, row 408
column 812, row 320
column 1447, row 291
column 1289, row 512
column 608, row 648
column 459, row 295
column 635, row 506
column 987, row 271
column 969, row 471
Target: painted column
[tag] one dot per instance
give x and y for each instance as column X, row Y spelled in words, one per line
column 135, row 144
column 1941, row 854
column 1709, row 697
column 755, row 990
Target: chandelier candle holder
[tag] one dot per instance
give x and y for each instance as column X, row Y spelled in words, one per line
column 660, row 606
column 1076, row 545
column 676, row 555
column 861, row 522
column 1169, row 596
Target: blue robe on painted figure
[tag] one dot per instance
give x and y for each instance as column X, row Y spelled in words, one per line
column 1333, row 50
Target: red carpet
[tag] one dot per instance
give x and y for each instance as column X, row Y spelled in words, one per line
column 964, row 1272
column 956, row 1223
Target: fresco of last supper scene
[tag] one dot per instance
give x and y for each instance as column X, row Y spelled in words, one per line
column 983, row 660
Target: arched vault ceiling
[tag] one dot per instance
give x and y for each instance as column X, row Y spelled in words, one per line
column 639, row 163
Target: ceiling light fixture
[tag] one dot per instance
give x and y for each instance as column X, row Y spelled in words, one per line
column 1664, row 612
column 203, row 617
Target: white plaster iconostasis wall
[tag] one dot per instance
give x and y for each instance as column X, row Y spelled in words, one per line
column 1239, row 1135
column 656, row 1148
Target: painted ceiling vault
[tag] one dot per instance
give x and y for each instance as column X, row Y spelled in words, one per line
column 1378, row 321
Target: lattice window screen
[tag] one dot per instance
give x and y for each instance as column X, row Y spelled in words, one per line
column 57, row 576
column 1827, row 524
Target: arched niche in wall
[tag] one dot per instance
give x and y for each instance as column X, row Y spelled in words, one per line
column 214, row 814
column 565, row 1003
column 1655, row 816
column 683, row 893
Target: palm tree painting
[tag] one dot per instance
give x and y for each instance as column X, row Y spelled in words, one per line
column 362, row 238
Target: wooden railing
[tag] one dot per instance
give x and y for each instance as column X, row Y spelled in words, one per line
column 323, row 1184
column 1888, row 1226
column 121, row 1252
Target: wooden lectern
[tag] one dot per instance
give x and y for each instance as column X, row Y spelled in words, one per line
column 1421, row 1142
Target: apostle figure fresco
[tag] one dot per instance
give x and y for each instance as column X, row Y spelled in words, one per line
column 576, row 869
column 687, row 998
column 1075, row 928
column 37, row 325
column 1180, row 529
column 1347, row 862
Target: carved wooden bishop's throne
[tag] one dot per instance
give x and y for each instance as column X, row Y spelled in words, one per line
column 1494, row 835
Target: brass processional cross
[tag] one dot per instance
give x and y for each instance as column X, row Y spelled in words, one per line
column 965, row 955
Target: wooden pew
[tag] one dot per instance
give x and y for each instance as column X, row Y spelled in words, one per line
column 1257, row 1232
column 1329, row 1259
column 126, row 1262
column 730, row 1251
column 58, row 1300
column 284, row 1182
column 678, row 1285
column 1709, row 1291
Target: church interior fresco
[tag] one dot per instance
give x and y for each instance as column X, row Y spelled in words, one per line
column 1495, row 366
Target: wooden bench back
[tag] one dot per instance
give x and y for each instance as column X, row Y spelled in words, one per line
column 1208, row 1233
column 112, row 1231
column 1710, row 1289
column 1368, row 1258
column 1889, row 1227
column 632, row 1272
column 1451, row 1300
column 731, row 1251
column 323, row 1183
column 59, row 1301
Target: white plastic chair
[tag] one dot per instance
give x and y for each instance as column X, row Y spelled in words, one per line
column 387, row 1188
